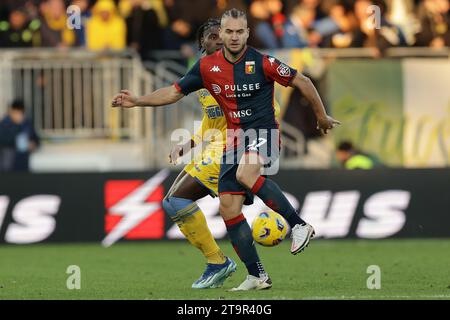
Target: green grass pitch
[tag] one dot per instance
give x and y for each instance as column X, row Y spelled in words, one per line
column 410, row 269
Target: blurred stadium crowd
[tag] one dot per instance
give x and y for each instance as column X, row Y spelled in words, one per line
column 148, row 25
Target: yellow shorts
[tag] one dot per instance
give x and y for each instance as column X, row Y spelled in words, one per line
column 206, row 168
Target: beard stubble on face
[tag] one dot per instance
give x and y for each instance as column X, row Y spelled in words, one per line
column 236, row 52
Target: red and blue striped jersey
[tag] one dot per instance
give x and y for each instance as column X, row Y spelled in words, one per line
column 244, row 89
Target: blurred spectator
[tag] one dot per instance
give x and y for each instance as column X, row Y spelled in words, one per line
column 367, row 35
column 18, row 32
column 296, row 28
column 143, row 31
column 316, row 5
column 148, row 25
column 80, row 33
column 32, row 9
column 159, row 7
column 401, row 13
column 278, row 19
column 4, row 11
column 105, row 29
column 224, row 5
column 54, row 31
column 434, row 19
column 334, row 28
column 185, row 17
column 18, row 139
column 351, row 158
column 268, row 22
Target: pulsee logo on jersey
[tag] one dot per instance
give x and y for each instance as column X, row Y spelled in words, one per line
column 242, row 87
column 236, row 90
column 216, row 89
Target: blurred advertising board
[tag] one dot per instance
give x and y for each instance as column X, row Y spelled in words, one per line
column 396, row 109
column 111, row 207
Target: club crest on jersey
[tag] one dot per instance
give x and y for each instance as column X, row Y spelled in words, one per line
column 283, row 70
column 249, row 67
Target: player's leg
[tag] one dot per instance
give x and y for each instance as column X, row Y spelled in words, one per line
column 182, row 209
column 176, row 182
column 232, row 197
column 249, row 175
column 241, row 238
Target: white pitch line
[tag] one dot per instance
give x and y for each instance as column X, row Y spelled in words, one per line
column 376, row 297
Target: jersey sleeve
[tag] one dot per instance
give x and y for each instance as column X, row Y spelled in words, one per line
column 278, row 71
column 192, row 81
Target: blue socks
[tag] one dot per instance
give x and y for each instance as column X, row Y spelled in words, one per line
column 241, row 238
column 273, row 197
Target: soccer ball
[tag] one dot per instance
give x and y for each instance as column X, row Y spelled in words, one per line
column 269, row 228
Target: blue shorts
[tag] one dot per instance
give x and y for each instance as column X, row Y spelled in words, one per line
column 265, row 143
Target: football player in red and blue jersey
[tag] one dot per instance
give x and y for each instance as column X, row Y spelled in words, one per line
column 241, row 79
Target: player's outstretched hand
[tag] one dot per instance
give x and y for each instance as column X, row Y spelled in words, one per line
column 326, row 124
column 124, row 99
column 175, row 153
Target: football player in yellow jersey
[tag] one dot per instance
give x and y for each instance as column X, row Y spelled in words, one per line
column 200, row 177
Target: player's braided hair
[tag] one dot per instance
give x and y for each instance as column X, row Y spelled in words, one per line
column 203, row 28
column 234, row 13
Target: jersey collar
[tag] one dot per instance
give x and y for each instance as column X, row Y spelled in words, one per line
column 237, row 61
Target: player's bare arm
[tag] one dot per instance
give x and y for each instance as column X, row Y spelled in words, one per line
column 305, row 85
column 179, row 150
column 161, row 97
